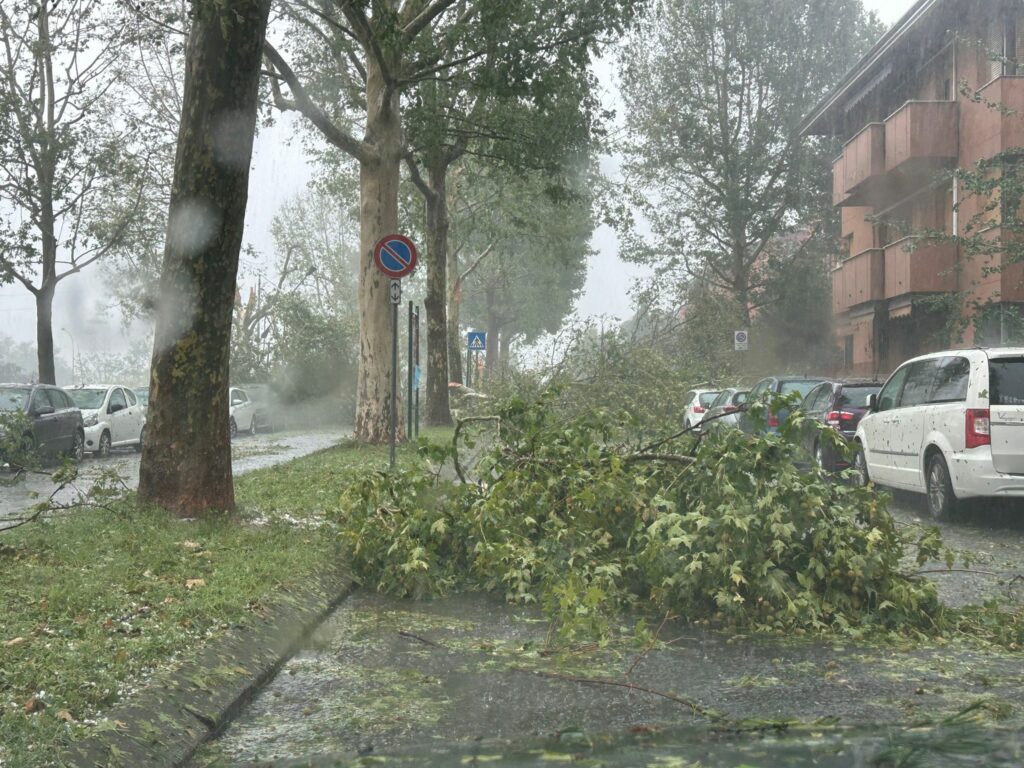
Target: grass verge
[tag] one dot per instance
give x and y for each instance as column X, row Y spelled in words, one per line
column 97, row 603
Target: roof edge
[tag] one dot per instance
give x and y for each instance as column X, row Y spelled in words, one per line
column 868, row 60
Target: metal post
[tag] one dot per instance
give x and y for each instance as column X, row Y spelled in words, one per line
column 469, row 366
column 394, row 383
column 416, row 359
column 408, row 365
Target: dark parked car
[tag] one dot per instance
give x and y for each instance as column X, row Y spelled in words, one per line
column 56, row 422
column 839, row 405
column 724, row 411
column 775, row 385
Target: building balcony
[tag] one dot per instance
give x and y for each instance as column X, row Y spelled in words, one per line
column 839, row 195
column 858, row 279
column 916, row 265
column 921, row 136
column 995, row 124
column 862, row 164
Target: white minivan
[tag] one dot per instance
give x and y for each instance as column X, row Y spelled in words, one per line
column 112, row 416
column 949, row 425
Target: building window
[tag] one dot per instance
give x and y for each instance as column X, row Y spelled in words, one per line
column 848, row 352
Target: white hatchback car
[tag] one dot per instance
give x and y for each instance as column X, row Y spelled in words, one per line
column 697, row 403
column 112, row 416
column 243, row 412
column 949, row 425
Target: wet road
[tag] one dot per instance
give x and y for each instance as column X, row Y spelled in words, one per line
column 992, row 531
column 248, row 453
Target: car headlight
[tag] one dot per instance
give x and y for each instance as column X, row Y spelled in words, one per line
column 91, row 420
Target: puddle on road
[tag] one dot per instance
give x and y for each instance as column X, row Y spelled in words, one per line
column 386, row 676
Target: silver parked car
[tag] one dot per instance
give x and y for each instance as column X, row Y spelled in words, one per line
column 724, row 411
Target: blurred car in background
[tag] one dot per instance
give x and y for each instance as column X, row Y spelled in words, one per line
column 264, row 401
column 55, row 421
column 724, row 411
column 142, row 393
column 111, row 415
column 243, row 412
column 839, row 405
column 697, row 403
column 780, row 386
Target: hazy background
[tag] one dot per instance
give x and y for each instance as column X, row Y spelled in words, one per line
column 280, row 170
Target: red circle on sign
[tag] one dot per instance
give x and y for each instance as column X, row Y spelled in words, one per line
column 395, row 255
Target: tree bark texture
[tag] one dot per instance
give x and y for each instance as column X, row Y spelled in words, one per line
column 504, row 351
column 436, row 301
column 44, row 333
column 186, row 459
column 455, row 346
column 379, row 174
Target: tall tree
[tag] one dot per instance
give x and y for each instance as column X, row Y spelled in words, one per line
column 186, row 461
column 375, row 54
column 69, row 192
column 715, row 91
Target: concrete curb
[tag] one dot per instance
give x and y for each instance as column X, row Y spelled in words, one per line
column 166, row 722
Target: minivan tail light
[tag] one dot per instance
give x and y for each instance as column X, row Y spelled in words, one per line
column 839, row 418
column 698, row 409
column 977, row 427
column 731, row 408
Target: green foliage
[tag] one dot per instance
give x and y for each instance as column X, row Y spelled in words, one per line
column 726, row 530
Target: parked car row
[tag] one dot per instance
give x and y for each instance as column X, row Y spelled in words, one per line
column 949, row 425
column 94, row 419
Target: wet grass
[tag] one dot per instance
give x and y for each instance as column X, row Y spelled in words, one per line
column 96, row 603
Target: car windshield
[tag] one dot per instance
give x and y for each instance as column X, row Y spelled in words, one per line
column 88, row 399
column 143, row 395
column 1006, row 381
column 803, row 387
column 13, row 398
column 855, row 397
column 708, row 398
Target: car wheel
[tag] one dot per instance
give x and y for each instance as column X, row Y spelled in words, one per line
column 821, row 457
column 860, row 466
column 232, row 428
column 142, row 438
column 942, row 501
column 252, row 427
column 78, row 446
column 103, row 449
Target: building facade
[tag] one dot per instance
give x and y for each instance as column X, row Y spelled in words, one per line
column 940, row 90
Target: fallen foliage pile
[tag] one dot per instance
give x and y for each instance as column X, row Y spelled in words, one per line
column 726, row 529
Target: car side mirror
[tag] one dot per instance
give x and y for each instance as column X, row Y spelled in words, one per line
column 871, row 402
column 44, row 410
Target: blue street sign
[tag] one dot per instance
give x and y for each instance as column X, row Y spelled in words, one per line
column 476, row 341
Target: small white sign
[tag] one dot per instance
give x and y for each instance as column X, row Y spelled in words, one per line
column 396, row 291
column 741, row 341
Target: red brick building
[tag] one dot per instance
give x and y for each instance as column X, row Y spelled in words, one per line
column 920, row 102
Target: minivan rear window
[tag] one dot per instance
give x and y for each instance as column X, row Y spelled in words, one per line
column 1006, row 381
column 708, row 398
column 856, row 397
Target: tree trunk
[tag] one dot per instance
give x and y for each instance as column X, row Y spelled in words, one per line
column 379, row 175
column 44, row 333
column 436, row 301
column 505, row 351
column 455, row 346
column 493, row 329
column 186, row 459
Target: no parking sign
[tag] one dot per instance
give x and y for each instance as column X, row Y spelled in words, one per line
column 740, row 340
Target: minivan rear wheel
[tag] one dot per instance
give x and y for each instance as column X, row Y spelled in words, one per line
column 860, row 466
column 942, row 501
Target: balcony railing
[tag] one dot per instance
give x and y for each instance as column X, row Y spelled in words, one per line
column 863, row 161
column 859, row 279
column 916, row 265
column 921, row 134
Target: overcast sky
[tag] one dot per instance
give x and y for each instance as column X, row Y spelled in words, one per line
column 280, row 171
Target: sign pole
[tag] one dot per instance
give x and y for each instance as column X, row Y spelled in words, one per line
column 408, row 365
column 416, row 357
column 394, row 380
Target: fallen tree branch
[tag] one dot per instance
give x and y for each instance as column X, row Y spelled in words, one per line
column 455, row 440
column 695, row 707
